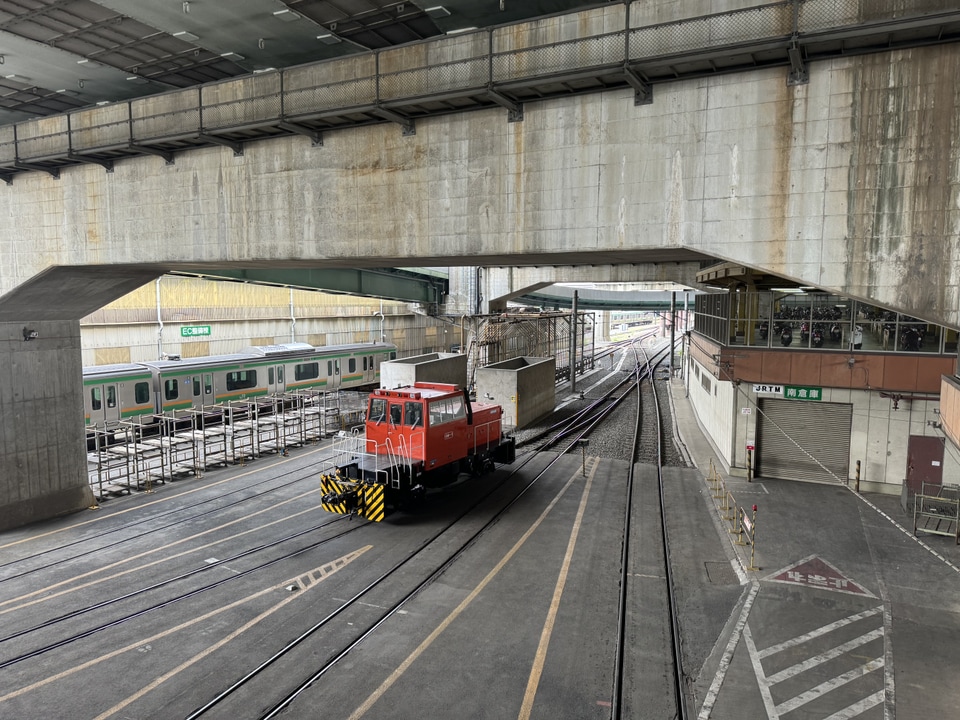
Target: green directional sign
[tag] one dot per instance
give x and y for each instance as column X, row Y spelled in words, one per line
column 800, row 392
column 194, row 330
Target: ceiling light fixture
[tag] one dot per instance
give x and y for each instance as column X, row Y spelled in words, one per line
column 137, row 79
column 286, row 15
column 186, row 36
column 461, row 30
column 231, row 56
column 17, row 78
column 437, row 11
column 329, row 39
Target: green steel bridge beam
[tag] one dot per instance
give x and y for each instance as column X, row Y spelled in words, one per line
column 387, row 284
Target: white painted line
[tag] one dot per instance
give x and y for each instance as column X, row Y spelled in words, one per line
column 904, row 530
column 829, row 685
column 831, row 654
column 773, row 649
column 738, row 569
column 711, row 697
column 858, row 708
column 889, row 704
column 762, row 682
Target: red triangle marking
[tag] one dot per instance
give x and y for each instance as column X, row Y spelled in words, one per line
column 818, row 573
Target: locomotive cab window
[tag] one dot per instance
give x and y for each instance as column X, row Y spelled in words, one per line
column 241, row 379
column 396, row 412
column 378, row 410
column 413, row 414
column 141, row 392
column 171, row 390
column 446, row 410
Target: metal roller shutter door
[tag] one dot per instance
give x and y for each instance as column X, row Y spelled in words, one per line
column 820, row 429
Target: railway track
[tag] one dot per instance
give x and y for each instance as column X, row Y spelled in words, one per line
column 287, row 676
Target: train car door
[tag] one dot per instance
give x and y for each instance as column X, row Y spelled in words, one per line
column 275, row 383
column 196, row 390
column 104, row 405
column 369, row 370
column 208, row 398
column 333, row 374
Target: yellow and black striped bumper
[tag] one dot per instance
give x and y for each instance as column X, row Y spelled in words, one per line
column 346, row 497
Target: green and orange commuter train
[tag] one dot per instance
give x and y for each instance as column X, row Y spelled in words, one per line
column 113, row 393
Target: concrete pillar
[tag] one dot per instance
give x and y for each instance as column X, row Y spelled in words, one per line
column 42, row 457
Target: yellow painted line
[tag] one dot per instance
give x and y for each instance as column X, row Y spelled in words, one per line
column 537, row 670
column 423, row 646
column 162, row 548
column 101, row 518
column 313, row 577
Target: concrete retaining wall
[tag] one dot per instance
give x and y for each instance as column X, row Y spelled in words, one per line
column 432, row 367
column 525, row 387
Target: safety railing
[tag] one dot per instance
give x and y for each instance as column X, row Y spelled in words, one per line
column 936, row 510
column 742, row 521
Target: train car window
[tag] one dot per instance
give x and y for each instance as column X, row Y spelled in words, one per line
column 207, row 383
column 141, row 393
column 413, row 414
column 95, row 401
column 306, row 371
column 270, row 380
column 111, row 396
column 396, row 412
column 280, row 373
column 196, row 385
column 352, row 365
column 393, row 355
column 241, row 379
column 170, row 389
column 378, row 410
column 364, row 363
column 329, row 368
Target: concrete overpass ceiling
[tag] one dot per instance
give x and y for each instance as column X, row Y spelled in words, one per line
column 71, row 293
column 609, row 296
column 62, row 55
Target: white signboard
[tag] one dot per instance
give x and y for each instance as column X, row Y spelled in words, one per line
column 768, row 389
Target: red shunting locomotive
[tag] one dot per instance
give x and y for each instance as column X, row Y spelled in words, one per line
column 417, row 438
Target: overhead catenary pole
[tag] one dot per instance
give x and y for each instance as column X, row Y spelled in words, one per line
column 673, row 327
column 159, row 323
column 573, row 344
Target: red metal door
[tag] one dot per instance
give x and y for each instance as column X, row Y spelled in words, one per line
column 924, row 463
